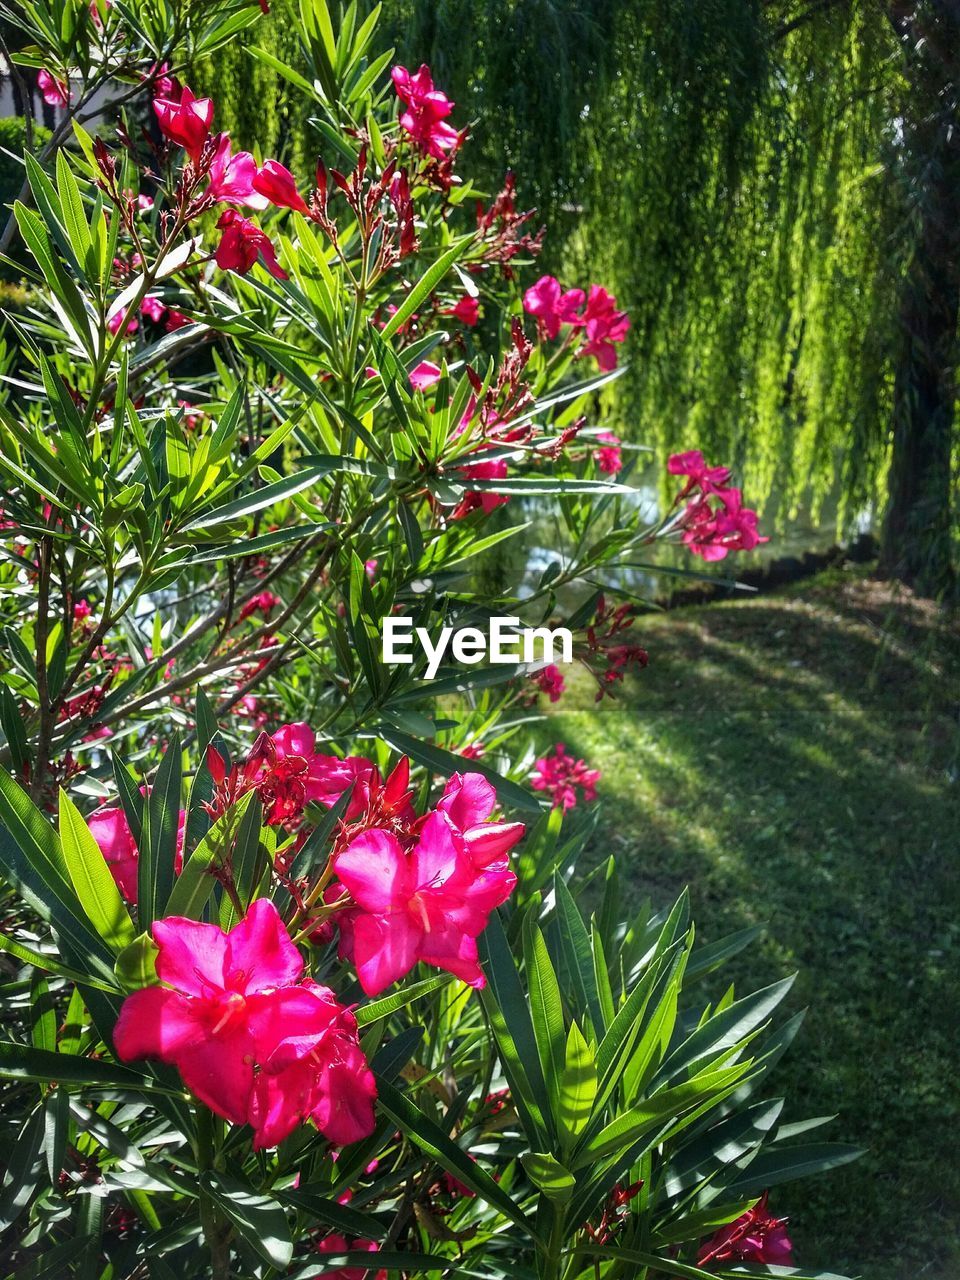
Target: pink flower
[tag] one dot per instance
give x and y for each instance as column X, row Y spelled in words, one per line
column 235, row 1020
column 144, row 203
column 326, row 778
column 55, row 93
column 605, row 326
column 185, row 120
column 424, row 376
column 109, row 827
column 427, row 109
column 278, row 185
column 713, row 532
column 487, row 499
column 692, row 465
column 467, row 803
column 265, row 603
column 609, row 458
column 176, row 320
column 552, row 307
column 551, row 682
column 338, row 1244
column 316, row 1070
column 242, row 243
column 81, row 610
column 754, row 1237
column 231, row 176
column 429, row 904
column 122, row 318
column 95, row 6
column 561, row 775
column 164, row 84
column 153, row 308
column 467, row 311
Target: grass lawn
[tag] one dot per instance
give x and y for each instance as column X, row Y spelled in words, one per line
column 795, row 759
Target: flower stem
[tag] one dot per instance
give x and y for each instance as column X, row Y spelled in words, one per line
column 216, row 1232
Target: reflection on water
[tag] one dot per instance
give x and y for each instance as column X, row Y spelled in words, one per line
column 517, row 564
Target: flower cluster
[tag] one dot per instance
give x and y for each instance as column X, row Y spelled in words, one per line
column 595, row 314
column 560, row 775
column 715, row 522
column 426, row 112
column 252, row 1038
column 425, row 893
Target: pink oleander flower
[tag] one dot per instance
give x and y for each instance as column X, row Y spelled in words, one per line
column 264, row 603
column 699, row 475
column 754, row 1237
column 468, row 803
column 605, row 327
column 486, row 499
column 81, row 610
column 425, row 376
column 551, row 306
column 467, row 311
column 609, row 457
column 55, row 92
column 551, row 682
column 316, row 1070
column 232, row 176
column 561, row 776
column 153, row 308
column 287, row 772
column 164, row 84
column 185, row 120
column 242, row 243
column 250, row 1039
column 176, row 320
column 713, row 532
column 123, row 320
column 427, row 110
column 144, row 203
column 338, row 1244
column 429, row 904
column 277, row 185
column 370, row 569
column 109, row 827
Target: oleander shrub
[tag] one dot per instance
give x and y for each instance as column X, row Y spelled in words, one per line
column 306, row 968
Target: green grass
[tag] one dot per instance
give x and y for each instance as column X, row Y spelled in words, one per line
column 794, row 759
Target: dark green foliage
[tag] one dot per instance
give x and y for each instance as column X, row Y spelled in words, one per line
column 13, row 136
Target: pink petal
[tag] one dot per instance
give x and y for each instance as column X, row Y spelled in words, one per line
column 384, row 949
column 492, row 841
column 468, row 799
column 295, row 739
column 192, row 956
column 455, row 952
column 437, row 862
column 220, row 1072
column 375, row 871
column 261, row 954
column 155, row 1023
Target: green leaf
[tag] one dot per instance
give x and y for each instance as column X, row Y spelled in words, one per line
column 196, row 881
column 22, row 1062
column 430, row 1138
column 383, row 1008
column 424, row 286
column 257, row 499
column 259, row 1218
column 155, row 870
column 50, row 964
column 546, row 1009
column 446, row 764
column 578, row 1086
column 95, row 886
column 784, row 1164
column 549, row 1176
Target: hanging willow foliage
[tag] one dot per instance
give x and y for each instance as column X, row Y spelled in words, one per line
column 734, row 169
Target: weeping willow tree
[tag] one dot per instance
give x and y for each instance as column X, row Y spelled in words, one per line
column 772, row 187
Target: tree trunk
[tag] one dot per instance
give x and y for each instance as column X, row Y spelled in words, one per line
column 918, row 530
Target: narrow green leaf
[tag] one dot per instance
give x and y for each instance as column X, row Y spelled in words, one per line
column 94, row 885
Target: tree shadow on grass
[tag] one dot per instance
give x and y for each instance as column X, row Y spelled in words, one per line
column 790, row 760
